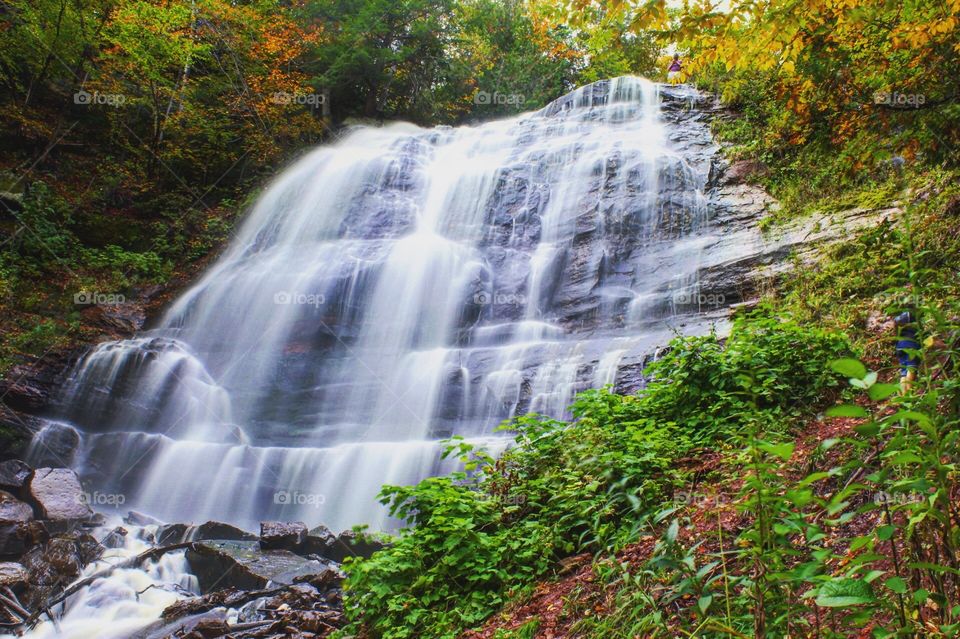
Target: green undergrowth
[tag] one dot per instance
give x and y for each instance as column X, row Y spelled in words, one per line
column 476, row 538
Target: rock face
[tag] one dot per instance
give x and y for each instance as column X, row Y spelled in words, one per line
column 243, row 565
column 277, row 535
column 58, row 494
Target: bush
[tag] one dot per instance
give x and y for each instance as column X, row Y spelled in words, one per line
column 698, row 384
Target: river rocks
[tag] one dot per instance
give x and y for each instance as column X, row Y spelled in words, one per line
column 18, row 537
column 299, row 610
column 52, row 566
column 176, row 533
column 135, row 518
column 244, row 565
column 58, row 494
column 277, row 535
column 14, row 475
column 320, row 541
column 13, row 510
column 350, row 544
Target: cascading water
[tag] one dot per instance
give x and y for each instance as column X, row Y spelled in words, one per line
column 390, row 290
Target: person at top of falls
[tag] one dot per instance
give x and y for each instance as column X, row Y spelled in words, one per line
column 675, row 67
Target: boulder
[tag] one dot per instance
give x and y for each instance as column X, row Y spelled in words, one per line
column 18, row 537
column 176, row 533
column 58, row 494
column 320, row 541
column 135, row 518
column 244, row 565
column 278, row 535
column 350, row 544
column 13, row 510
column 54, row 445
column 14, row 475
column 745, row 171
column 116, row 538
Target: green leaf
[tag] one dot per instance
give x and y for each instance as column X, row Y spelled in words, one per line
column 849, row 368
column 885, row 533
column 703, row 603
column 847, row 410
column 783, row 451
column 840, row 593
column 879, row 392
column 896, row 584
column 867, row 430
column 673, row 531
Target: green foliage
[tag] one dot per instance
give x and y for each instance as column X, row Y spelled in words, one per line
column 477, row 536
column 699, row 382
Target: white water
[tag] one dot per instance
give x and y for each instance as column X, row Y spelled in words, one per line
column 126, row 601
column 392, row 289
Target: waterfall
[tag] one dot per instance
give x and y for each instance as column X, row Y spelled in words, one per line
column 392, row 289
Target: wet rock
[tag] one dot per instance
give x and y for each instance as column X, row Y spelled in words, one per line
column 135, row 518
column 50, row 568
column 30, row 386
column 14, row 475
column 126, row 318
column 320, row 541
column 16, row 431
column 12, row 574
column 54, row 445
column 19, row 537
column 13, row 510
column 176, row 533
column 277, row 535
column 244, row 565
column 209, row 628
column 302, row 607
column 115, row 538
column 351, row 544
column 59, row 495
